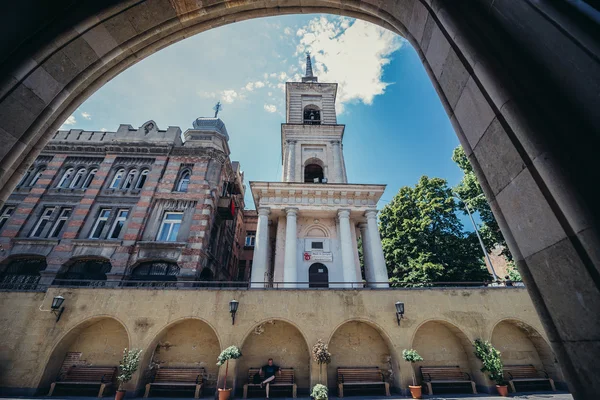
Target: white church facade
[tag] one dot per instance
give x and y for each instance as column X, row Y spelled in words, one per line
column 309, row 224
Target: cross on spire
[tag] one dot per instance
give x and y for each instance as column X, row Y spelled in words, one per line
column 309, row 72
column 218, row 107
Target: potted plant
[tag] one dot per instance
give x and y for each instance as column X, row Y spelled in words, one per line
column 319, row 392
column 127, row 367
column 230, row 353
column 412, row 357
column 492, row 364
column 321, row 355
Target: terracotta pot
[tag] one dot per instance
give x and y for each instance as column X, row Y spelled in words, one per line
column 415, row 391
column 502, row 390
column 120, row 394
column 224, row 394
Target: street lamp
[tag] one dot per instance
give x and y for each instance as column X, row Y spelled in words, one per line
column 56, row 308
column 485, row 253
column 399, row 311
column 233, row 306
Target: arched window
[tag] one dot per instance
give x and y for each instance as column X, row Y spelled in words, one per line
column 64, row 181
column 184, row 181
column 312, row 115
column 142, row 179
column 25, row 177
column 76, row 182
column 130, row 178
column 318, row 276
column 37, row 176
column 155, row 271
column 84, row 272
column 89, row 178
column 313, row 173
column 116, row 182
column 22, row 273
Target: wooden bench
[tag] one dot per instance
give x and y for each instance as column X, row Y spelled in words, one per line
column 286, row 378
column 177, row 377
column 525, row 373
column 446, row 376
column 81, row 375
column 360, row 376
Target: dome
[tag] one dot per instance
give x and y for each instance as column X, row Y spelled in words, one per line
column 210, row 124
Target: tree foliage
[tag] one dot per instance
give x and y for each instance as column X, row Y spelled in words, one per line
column 490, row 358
column 128, row 365
column 423, row 239
column 470, row 192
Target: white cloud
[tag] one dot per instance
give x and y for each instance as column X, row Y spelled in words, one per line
column 70, row 121
column 273, row 75
column 208, row 95
column 287, row 31
column 270, row 94
column 229, row 96
column 351, row 53
column 86, row 115
column 103, row 130
column 259, row 84
column 283, row 77
column 250, row 86
column 270, row 108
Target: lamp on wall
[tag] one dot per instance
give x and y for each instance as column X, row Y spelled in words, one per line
column 233, row 306
column 57, row 308
column 399, row 311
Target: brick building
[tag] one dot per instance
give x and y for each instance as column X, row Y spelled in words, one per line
column 137, row 204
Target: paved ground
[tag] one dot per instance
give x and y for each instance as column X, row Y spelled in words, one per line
column 519, row 396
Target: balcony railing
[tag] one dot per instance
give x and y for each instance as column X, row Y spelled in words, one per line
column 231, row 285
column 312, row 122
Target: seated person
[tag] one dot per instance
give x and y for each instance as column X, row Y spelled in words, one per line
column 269, row 372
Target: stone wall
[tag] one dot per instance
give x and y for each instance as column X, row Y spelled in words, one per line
column 359, row 325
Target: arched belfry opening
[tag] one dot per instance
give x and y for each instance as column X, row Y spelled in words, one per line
column 313, row 173
column 312, row 115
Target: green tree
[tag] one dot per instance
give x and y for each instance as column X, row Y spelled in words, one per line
column 423, row 239
column 470, row 191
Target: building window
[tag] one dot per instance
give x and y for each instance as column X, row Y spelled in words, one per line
column 64, row 181
column 316, row 245
column 117, row 226
column 37, row 176
column 7, row 211
column 62, row 219
column 250, row 239
column 241, row 275
column 44, row 220
column 116, row 182
column 25, row 178
column 184, row 181
column 170, row 227
column 22, row 273
column 313, row 173
column 78, row 178
column 130, row 178
column 85, row 271
column 312, row 115
column 89, row 178
column 100, row 223
column 142, row 179
column 156, row 271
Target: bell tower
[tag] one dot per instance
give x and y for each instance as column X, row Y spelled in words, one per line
column 311, row 139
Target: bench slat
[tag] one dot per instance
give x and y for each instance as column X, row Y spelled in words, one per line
column 191, row 377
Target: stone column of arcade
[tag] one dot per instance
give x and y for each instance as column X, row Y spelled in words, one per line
column 346, row 247
column 290, row 275
column 379, row 267
column 336, row 176
column 368, row 257
column 291, row 161
column 259, row 267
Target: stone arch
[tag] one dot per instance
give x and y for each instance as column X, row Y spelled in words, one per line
column 361, row 343
column 100, row 340
column 540, row 183
column 281, row 340
column 22, row 271
column 521, row 344
column 316, row 231
column 442, row 343
column 186, row 342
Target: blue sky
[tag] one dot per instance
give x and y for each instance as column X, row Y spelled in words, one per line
column 396, row 127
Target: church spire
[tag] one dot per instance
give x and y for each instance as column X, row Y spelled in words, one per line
column 309, row 72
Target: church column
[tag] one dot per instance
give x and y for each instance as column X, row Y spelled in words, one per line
column 346, row 247
column 290, row 273
column 259, row 264
column 379, row 267
column 367, row 255
column 336, row 175
column 291, row 161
